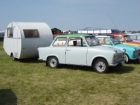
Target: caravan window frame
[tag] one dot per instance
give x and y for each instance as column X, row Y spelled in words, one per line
column 10, row 32
column 31, row 33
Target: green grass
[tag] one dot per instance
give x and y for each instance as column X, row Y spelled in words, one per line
column 30, row 82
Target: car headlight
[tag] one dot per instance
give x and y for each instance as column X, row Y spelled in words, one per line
column 134, row 49
column 115, row 52
column 124, row 50
column 115, row 55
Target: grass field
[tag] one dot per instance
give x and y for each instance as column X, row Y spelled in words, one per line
column 30, row 82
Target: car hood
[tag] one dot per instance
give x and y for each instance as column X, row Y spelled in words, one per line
column 133, row 43
column 106, row 48
column 126, row 46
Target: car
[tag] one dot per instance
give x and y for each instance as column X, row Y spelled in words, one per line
column 131, row 52
column 2, row 35
column 135, row 37
column 126, row 39
column 80, row 49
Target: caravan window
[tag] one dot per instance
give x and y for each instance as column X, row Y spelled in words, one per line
column 31, row 33
column 9, row 32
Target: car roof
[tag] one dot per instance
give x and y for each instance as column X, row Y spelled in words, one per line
column 134, row 34
column 73, row 35
column 119, row 35
column 102, row 36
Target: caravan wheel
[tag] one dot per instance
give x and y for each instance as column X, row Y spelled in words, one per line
column 13, row 58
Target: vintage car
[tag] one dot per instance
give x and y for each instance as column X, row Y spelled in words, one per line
column 135, row 37
column 80, row 49
column 126, row 39
column 131, row 52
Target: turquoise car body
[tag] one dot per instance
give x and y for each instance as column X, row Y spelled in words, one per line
column 131, row 51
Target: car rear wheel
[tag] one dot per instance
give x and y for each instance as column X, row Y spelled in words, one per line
column 52, row 62
column 100, row 66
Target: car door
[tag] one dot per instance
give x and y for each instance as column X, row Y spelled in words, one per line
column 76, row 52
column 58, row 49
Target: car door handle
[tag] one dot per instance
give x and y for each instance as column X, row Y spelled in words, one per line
column 67, row 50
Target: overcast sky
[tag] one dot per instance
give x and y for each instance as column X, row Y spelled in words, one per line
column 73, row 14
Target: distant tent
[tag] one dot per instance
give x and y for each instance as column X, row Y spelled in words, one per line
column 91, row 30
column 56, row 31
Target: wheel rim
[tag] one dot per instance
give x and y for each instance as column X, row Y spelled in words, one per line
column 126, row 58
column 100, row 66
column 53, row 62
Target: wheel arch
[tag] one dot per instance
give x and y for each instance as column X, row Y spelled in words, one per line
column 52, row 56
column 93, row 61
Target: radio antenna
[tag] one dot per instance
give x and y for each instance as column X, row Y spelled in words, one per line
column 112, row 20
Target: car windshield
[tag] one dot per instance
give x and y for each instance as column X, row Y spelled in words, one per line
column 120, row 39
column 115, row 40
column 92, row 41
column 128, row 38
column 138, row 37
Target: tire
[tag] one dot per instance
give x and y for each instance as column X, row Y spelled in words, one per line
column 52, row 62
column 126, row 58
column 100, row 65
column 136, row 61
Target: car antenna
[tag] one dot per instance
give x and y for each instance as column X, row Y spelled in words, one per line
column 112, row 20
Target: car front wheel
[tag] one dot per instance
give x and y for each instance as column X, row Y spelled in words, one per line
column 52, row 62
column 100, row 66
column 126, row 58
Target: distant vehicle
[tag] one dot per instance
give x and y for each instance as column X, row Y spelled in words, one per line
column 96, row 31
column 80, row 49
column 135, row 37
column 22, row 39
column 1, row 35
column 131, row 52
column 126, row 39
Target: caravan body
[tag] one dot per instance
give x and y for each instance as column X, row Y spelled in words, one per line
column 22, row 39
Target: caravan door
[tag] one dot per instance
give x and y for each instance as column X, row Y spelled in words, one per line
column 16, row 44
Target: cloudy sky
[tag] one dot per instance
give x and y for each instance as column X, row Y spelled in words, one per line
column 73, row 14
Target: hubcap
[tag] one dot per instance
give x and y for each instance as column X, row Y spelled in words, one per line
column 100, row 66
column 53, row 62
column 125, row 58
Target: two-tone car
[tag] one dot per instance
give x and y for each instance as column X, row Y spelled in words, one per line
column 131, row 52
column 80, row 49
column 126, row 39
column 135, row 37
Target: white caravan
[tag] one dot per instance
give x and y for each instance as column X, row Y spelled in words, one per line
column 22, row 39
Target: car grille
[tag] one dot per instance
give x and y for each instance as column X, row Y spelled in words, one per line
column 136, row 53
column 120, row 56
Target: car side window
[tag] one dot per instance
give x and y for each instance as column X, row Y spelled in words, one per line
column 134, row 37
column 107, row 41
column 76, row 42
column 101, row 40
column 60, row 42
column 138, row 37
